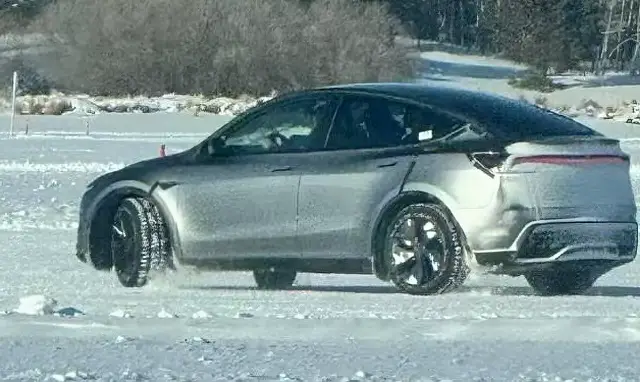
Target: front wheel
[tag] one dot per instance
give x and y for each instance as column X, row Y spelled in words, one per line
column 562, row 281
column 139, row 242
column 425, row 250
column 274, row 278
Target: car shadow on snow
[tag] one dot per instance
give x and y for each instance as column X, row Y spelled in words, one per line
column 599, row 291
column 366, row 289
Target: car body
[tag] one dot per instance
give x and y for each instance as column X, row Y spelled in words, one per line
column 310, row 181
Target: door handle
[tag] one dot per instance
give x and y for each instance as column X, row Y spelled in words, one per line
column 282, row 169
column 388, row 164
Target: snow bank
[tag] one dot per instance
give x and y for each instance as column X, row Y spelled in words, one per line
column 625, row 111
column 36, row 305
column 59, row 104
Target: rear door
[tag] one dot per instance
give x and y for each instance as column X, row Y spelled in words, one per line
column 363, row 163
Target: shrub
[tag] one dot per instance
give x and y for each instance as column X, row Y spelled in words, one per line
column 228, row 47
column 29, row 80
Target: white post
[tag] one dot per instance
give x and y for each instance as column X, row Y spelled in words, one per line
column 13, row 101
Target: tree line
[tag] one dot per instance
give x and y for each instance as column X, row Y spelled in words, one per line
column 246, row 46
column 593, row 35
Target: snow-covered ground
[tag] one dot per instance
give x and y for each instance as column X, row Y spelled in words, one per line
column 215, row 326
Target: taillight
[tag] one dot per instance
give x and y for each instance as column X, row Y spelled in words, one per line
column 488, row 162
column 571, row 159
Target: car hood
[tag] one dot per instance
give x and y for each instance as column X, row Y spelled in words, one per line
column 142, row 169
column 161, row 162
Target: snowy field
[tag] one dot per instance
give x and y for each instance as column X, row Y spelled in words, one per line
column 216, row 326
column 328, row 328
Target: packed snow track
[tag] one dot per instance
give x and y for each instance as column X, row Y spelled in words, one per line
column 216, row 326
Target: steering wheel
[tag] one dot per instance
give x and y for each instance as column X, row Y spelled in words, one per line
column 276, row 136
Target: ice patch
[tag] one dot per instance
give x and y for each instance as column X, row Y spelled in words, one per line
column 108, row 136
column 21, row 225
column 86, row 167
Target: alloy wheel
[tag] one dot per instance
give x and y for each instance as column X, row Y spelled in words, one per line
column 123, row 242
column 418, row 253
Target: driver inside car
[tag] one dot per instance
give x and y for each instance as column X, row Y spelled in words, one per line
column 382, row 129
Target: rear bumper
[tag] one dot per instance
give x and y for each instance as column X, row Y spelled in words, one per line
column 562, row 240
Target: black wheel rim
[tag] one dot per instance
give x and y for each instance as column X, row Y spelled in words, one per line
column 123, row 243
column 418, row 253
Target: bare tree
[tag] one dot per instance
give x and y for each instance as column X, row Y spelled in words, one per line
column 605, row 39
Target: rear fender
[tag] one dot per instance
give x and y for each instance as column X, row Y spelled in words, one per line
column 445, row 199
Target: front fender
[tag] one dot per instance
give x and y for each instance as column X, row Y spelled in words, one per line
column 117, row 189
column 110, row 195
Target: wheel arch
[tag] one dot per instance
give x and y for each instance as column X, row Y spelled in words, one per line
column 103, row 210
column 410, row 194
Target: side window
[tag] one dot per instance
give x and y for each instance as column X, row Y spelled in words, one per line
column 368, row 122
column 365, row 122
column 297, row 126
column 425, row 124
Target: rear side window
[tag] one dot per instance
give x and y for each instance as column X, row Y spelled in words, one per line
column 522, row 121
column 364, row 122
column 514, row 120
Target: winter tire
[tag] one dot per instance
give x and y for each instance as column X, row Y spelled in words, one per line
column 138, row 241
column 562, row 280
column 274, row 278
column 425, row 250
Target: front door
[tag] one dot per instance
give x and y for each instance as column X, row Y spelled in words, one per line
column 242, row 201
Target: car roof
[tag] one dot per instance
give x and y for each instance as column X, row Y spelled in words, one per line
column 488, row 108
column 416, row 91
column 453, row 98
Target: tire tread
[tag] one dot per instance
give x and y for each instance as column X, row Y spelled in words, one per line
column 154, row 242
column 458, row 266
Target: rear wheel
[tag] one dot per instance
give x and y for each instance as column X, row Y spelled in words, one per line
column 274, row 278
column 139, row 241
column 562, row 280
column 425, row 250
